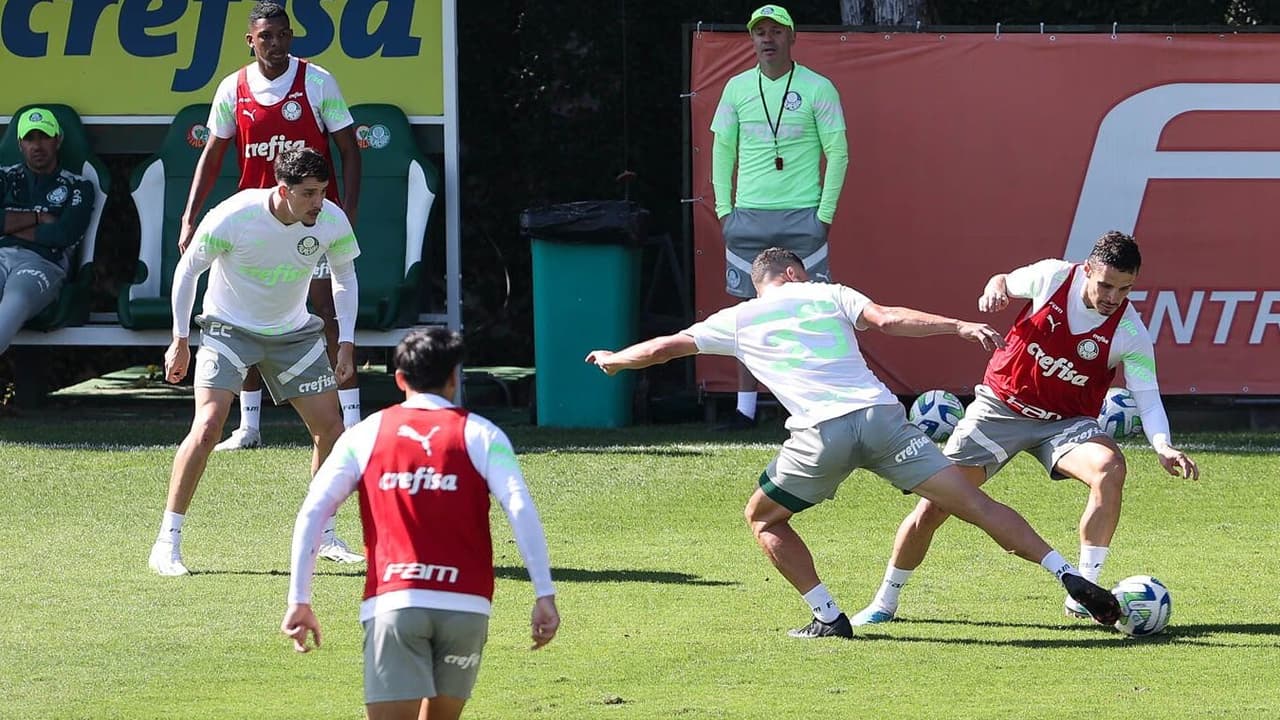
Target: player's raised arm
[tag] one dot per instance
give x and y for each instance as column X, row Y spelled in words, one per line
column 908, row 322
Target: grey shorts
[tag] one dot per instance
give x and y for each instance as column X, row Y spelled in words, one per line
column 292, row 365
column 814, row 461
column 321, row 270
column 748, row 231
column 416, row 652
column 991, row 433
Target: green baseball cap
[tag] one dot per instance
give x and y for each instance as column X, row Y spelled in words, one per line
column 776, row 13
column 38, row 119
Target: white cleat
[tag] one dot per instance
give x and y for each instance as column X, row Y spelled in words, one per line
column 166, row 560
column 872, row 615
column 1073, row 609
column 333, row 548
column 240, row 439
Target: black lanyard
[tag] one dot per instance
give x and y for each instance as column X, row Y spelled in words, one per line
column 782, row 105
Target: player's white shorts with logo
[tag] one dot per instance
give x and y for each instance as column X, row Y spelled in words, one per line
column 292, row 364
column 991, row 433
column 415, row 652
column 814, row 461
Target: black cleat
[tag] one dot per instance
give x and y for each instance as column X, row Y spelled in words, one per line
column 737, row 422
column 817, row 629
column 1100, row 603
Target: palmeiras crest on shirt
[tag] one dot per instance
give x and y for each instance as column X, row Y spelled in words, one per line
column 792, row 101
column 57, row 196
column 733, row 278
column 308, row 246
column 292, row 110
column 1088, row 349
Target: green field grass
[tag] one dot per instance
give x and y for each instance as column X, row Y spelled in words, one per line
column 669, row 609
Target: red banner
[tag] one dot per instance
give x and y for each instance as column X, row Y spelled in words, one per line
column 972, row 154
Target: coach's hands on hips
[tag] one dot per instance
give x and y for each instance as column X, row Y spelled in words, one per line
column 546, row 620
column 601, row 358
column 345, row 368
column 176, row 360
column 1177, row 463
column 981, row 333
column 300, row 619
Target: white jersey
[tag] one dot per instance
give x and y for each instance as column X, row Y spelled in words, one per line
column 1132, row 342
column 490, row 452
column 329, row 107
column 259, row 269
column 798, row 339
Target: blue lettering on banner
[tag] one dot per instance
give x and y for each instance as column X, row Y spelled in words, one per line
column 136, row 17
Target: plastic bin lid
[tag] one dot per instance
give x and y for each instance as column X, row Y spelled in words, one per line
column 587, row 221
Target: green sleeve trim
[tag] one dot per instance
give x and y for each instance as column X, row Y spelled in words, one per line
column 344, row 245
column 213, row 245
column 782, row 497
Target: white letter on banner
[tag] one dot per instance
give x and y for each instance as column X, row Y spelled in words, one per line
column 1266, row 316
column 1125, row 155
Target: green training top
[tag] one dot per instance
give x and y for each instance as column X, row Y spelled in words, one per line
column 812, row 124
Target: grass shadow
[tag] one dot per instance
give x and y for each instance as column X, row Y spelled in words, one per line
column 662, row 577
column 281, row 573
column 1198, row 634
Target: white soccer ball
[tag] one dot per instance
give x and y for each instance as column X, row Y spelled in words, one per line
column 1145, row 604
column 936, row 412
column 1119, row 416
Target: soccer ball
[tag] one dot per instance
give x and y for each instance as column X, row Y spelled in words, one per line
column 1119, row 416
column 936, row 412
column 1145, row 603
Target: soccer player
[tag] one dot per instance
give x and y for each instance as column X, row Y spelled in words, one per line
column 1042, row 393
column 424, row 471
column 799, row 339
column 775, row 122
column 279, row 101
column 260, row 247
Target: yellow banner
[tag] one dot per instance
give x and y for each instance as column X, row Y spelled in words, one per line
column 152, row 57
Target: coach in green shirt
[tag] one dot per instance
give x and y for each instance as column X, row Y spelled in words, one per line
column 775, row 122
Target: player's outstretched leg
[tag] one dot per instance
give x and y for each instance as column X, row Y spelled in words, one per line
column 770, row 522
column 910, row 545
column 949, row 490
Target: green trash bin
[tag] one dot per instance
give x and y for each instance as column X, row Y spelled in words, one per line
column 586, row 293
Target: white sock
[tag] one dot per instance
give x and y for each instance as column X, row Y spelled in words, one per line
column 1091, row 559
column 350, row 402
column 330, row 526
column 171, row 528
column 1058, row 565
column 747, row 406
column 887, row 596
column 822, row 604
column 250, row 409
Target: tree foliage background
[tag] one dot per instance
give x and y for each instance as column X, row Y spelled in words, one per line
column 558, row 98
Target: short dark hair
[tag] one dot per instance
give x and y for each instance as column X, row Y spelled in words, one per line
column 1119, row 251
column 427, row 357
column 267, row 11
column 773, row 261
column 294, row 166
